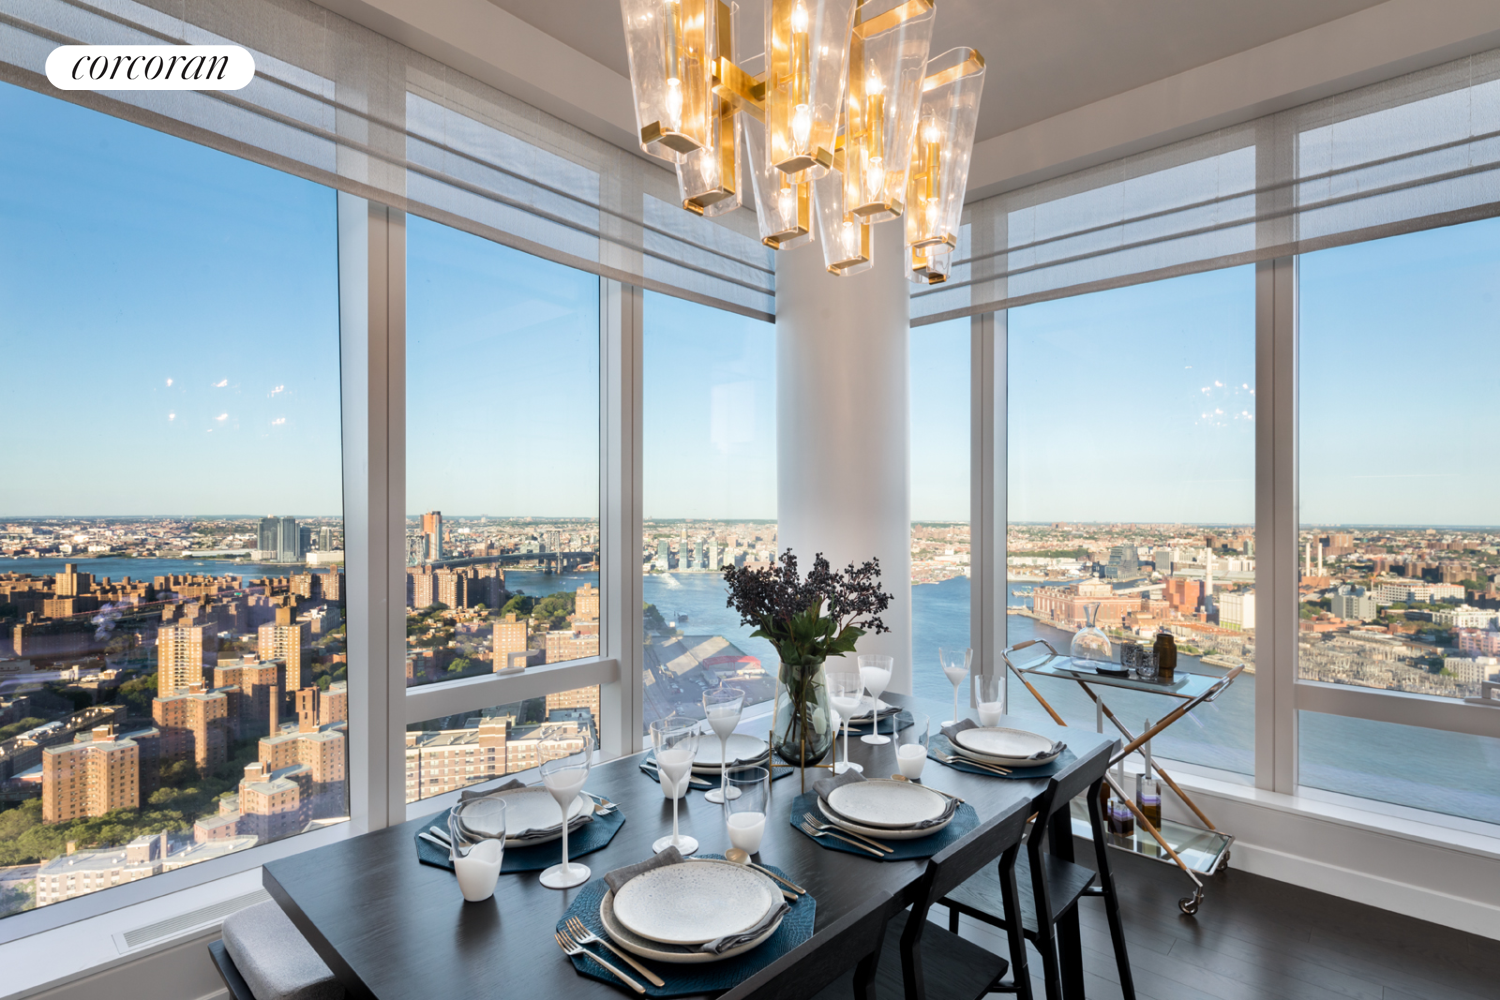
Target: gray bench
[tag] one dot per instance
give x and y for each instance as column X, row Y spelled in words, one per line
column 264, row 957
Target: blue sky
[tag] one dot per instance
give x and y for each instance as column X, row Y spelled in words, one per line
column 169, row 317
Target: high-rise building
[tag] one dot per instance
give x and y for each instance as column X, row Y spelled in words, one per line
column 432, row 528
column 333, row 704
column 71, row 583
column 1124, row 563
column 510, row 642
column 284, row 642
column 564, row 645
column 321, row 751
column 586, row 697
column 325, row 540
column 253, row 683
column 266, row 534
column 194, row 726
column 423, row 587
column 179, row 658
column 288, row 540
column 1353, row 604
column 586, row 603
column 1237, row 610
column 95, row 775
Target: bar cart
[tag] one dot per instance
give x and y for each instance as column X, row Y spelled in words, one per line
column 1196, row 852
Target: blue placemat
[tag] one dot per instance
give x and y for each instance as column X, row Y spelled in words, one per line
column 964, row 820
column 689, row 980
column 585, row 840
column 940, row 743
column 704, row 784
column 903, row 720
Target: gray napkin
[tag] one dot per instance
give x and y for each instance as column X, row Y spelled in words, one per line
column 720, row 945
column 963, row 725
column 825, row 787
column 616, row 879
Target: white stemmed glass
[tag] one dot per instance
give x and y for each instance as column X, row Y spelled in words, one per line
column 722, row 707
column 991, row 698
column 875, row 671
column 676, row 742
column 956, row 664
column 564, row 778
column 845, row 687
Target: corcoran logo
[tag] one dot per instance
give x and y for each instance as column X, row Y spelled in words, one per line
column 150, row 67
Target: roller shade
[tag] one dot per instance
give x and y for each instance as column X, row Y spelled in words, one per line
column 341, row 105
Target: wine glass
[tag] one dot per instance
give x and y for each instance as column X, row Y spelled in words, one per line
column 875, row 671
column 564, row 778
column 956, row 665
column 676, row 743
column 845, row 688
column 722, row 707
column 991, row 698
column 745, row 812
column 477, row 856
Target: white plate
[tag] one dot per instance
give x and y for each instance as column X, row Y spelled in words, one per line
column 1011, row 763
column 674, row 954
column 886, row 804
column 862, row 713
column 1012, row 747
column 715, row 771
column 742, row 749
column 531, row 812
column 876, row 832
column 693, row 902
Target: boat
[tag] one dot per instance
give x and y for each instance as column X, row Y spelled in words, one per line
column 1022, row 591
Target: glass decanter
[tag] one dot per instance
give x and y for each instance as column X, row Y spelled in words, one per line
column 1090, row 644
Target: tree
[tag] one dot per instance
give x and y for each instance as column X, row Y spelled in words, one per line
column 136, row 696
column 653, row 620
column 459, row 665
column 520, row 606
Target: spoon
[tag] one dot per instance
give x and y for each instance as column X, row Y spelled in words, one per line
column 741, row 857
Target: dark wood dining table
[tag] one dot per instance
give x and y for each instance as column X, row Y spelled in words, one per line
column 395, row 929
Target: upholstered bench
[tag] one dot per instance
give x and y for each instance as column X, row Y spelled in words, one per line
column 264, row 957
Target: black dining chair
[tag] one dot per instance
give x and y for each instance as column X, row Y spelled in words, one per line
column 1051, row 884
column 838, row 960
column 920, row 960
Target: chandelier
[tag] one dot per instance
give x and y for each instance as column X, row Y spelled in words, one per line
column 851, row 124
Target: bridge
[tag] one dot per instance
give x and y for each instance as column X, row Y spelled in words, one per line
column 559, row 562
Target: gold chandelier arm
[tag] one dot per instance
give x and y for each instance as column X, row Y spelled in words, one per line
column 972, row 65
column 745, row 92
column 865, row 27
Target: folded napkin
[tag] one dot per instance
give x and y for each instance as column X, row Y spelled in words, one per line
column 825, row 787
column 963, row 725
column 671, row 856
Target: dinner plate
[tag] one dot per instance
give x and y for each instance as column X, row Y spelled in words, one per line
column 531, row 812
column 716, row 770
column 742, row 749
column 1011, row 747
column 695, row 902
column 862, row 713
column 886, row 804
column 675, row 954
column 877, row 832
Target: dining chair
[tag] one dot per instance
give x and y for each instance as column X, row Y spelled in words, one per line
column 262, row 956
column 920, row 960
column 838, row 960
column 1050, row 886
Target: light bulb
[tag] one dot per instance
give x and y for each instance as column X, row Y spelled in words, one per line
column 786, row 205
column 930, row 131
column 674, row 103
column 875, row 177
column 801, row 127
column 873, row 84
column 799, row 19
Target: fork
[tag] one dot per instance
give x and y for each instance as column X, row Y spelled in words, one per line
column 951, row 759
column 571, row 947
column 830, row 828
column 852, row 843
column 583, row 935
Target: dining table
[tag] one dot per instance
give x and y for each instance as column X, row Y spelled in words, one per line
column 390, row 927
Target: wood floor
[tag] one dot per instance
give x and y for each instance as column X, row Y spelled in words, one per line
column 1257, row 938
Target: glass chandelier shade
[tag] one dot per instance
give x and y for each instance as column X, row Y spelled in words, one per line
column 783, row 209
column 845, row 236
column 670, row 45
column 807, row 48
column 709, row 181
column 887, row 60
column 928, row 267
column 939, row 170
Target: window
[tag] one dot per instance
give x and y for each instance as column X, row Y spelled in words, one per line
column 940, row 422
column 1400, row 540
column 1131, row 443
column 710, row 499
column 173, row 673
column 502, row 458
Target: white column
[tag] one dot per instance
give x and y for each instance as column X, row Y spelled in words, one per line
column 842, row 423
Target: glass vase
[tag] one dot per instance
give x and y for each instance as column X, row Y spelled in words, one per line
column 1090, row 644
column 802, row 733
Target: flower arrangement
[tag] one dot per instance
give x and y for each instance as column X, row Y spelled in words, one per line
column 807, row 620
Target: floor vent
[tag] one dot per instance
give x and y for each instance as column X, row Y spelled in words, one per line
column 181, row 924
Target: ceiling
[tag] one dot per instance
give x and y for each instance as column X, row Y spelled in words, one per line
column 1044, row 57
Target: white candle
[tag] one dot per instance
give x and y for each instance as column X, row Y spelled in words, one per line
column 746, row 829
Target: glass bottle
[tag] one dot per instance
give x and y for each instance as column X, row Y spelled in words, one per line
column 1166, row 656
column 1090, row 644
column 1121, row 819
